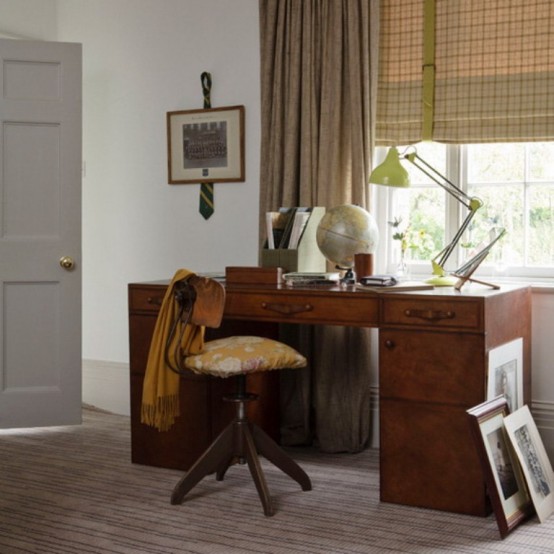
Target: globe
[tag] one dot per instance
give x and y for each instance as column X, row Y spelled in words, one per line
column 344, row 231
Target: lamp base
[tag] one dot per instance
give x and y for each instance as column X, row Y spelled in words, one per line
column 442, row 281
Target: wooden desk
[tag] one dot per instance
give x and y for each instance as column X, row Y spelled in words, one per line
column 433, row 356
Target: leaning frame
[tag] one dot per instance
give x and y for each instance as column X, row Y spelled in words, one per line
column 504, row 479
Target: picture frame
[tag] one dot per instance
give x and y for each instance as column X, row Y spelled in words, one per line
column 206, row 145
column 529, row 448
column 503, row 476
column 505, row 373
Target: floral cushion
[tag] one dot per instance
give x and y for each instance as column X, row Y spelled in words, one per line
column 235, row 355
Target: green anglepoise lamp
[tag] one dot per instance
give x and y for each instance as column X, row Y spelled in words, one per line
column 391, row 173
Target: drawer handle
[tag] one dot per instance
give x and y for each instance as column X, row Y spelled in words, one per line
column 157, row 300
column 430, row 315
column 287, row 309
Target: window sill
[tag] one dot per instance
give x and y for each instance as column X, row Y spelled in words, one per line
column 538, row 284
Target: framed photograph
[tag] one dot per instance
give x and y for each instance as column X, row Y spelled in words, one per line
column 505, row 373
column 206, row 146
column 533, row 459
column 504, row 479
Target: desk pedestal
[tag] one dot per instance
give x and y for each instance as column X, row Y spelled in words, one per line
column 433, row 366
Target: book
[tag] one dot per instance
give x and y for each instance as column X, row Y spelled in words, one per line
column 288, row 219
column 270, row 218
column 276, row 223
column 402, row 286
column 284, row 228
column 308, row 276
column 378, row 280
column 298, row 226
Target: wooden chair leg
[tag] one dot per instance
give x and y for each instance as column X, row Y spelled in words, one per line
column 268, row 448
column 256, row 469
column 206, row 464
column 222, row 469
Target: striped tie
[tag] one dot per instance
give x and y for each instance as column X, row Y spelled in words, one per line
column 206, row 189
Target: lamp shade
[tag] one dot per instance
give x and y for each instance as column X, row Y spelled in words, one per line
column 390, row 172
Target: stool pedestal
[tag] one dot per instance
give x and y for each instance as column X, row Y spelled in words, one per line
column 240, row 442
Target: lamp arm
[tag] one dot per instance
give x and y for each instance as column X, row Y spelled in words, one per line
column 472, row 204
column 447, row 251
column 439, row 179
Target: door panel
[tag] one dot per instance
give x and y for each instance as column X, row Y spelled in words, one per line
column 40, row 221
column 32, row 151
column 32, row 80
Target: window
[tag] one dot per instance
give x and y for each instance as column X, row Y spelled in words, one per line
column 515, row 181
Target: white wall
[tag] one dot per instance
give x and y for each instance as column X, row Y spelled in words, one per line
column 543, row 365
column 28, row 19
column 141, row 59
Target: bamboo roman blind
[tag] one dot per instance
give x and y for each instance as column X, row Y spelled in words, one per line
column 493, row 71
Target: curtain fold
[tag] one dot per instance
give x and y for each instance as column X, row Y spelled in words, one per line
column 494, row 71
column 318, row 83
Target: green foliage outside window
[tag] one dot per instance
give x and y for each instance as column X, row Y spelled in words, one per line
column 515, row 183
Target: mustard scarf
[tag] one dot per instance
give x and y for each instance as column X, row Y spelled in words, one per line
column 160, row 395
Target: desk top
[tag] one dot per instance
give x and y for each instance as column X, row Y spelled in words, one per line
column 349, row 305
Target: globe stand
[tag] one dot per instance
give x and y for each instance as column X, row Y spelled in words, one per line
column 348, row 278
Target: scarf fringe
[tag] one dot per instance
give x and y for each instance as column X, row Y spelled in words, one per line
column 162, row 414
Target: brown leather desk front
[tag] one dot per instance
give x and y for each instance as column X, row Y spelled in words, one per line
column 433, row 364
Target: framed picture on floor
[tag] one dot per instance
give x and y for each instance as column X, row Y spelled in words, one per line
column 206, row 146
column 505, row 373
column 529, row 448
column 504, row 479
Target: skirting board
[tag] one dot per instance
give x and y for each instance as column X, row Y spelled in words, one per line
column 543, row 414
column 106, row 386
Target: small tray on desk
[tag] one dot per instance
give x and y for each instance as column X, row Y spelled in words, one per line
column 245, row 275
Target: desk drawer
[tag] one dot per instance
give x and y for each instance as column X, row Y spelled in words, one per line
column 146, row 298
column 465, row 314
column 339, row 309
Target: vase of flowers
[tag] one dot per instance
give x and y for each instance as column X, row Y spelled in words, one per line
column 402, row 235
column 413, row 244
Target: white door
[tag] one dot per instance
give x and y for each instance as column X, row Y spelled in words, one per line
column 40, row 223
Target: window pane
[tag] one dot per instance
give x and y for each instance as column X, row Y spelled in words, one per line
column 419, row 214
column 432, row 153
column 541, row 226
column 495, row 163
column 515, row 183
column 541, row 161
column 503, row 207
column 421, row 208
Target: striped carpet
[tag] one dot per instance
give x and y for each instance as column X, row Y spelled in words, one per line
column 73, row 490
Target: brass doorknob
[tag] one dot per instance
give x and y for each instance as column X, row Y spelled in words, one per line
column 67, row 262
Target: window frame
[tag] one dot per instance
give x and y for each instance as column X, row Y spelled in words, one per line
column 457, row 172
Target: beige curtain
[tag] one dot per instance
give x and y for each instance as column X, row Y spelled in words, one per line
column 494, row 71
column 318, row 80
